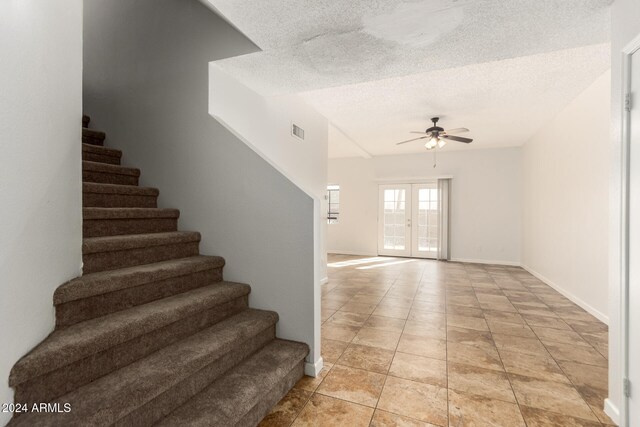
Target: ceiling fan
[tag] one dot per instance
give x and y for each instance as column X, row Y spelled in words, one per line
column 438, row 137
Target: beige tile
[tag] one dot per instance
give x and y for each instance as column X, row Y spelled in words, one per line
column 519, row 344
column 505, row 328
column 385, row 323
column 539, row 418
column 347, row 319
column 329, row 412
column 287, row 409
column 576, row 353
column 415, row 400
column 387, row 419
column 463, row 310
column 365, row 357
column 331, row 304
column 559, row 335
column 581, row 326
column 547, row 322
column 377, row 338
column 331, row 350
column 311, row 383
column 551, row 396
column 503, row 316
column 532, row 365
column 397, row 302
column 482, row 357
column 423, row 346
column 357, row 307
column 423, row 329
column 433, row 306
column 474, row 410
column 366, row 299
column 351, row 384
column 429, row 317
column 392, row 311
column 468, row 300
column 326, row 313
column 338, row 332
column 467, row 322
column 419, row 368
column 483, row 382
column 469, row 336
column 595, row 399
column 586, row 375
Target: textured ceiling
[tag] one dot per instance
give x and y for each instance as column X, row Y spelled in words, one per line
column 379, row 68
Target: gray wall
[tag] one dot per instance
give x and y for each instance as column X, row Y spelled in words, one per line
column 40, row 174
column 146, row 85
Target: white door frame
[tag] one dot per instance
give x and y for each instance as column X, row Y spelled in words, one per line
column 627, row 52
column 407, row 226
column 410, row 218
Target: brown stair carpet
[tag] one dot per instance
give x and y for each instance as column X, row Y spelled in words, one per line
column 150, row 333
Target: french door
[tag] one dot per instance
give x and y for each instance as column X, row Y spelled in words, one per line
column 408, row 220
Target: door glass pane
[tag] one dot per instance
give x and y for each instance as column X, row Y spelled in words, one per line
column 394, row 219
column 427, row 221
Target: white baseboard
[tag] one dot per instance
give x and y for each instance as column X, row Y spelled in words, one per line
column 485, row 261
column 313, row 369
column 600, row 316
column 612, row 411
column 356, row 253
column 324, row 280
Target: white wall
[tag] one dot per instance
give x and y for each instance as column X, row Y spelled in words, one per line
column 146, row 84
column 264, row 124
column 485, row 201
column 625, row 26
column 566, row 193
column 40, row 192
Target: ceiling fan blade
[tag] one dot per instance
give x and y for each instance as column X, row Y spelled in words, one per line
column 418, row 131
column 456, row 130
column 409, row 140
column 457, row 138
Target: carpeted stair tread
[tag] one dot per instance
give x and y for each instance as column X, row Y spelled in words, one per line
column 91, row 133
column 228, row 400
column 85, row 120
column 93, row 137
column 105, row 151
column 65, row 346
column 93, row 213
column 109, row 169
column 108, row 399
column 133, row 241
column 117, row 195
column 113, row 280
column 130, row 190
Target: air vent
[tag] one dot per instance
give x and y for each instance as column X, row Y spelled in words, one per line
column 297, row 131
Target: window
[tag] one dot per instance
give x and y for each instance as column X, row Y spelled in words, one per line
column 333, row 203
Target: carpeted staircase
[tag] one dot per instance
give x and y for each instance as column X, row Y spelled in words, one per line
column 150, row 334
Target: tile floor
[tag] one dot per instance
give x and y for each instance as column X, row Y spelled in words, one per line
column 423, row 343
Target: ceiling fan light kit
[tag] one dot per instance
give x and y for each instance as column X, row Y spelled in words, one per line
column 438, row 137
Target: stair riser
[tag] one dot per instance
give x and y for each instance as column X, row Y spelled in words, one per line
column 106, row 200
column 171, row 399
column 117, row 227
column 92, row 141
column 112, row 260
column 88, row 308
column 61, row 381
column 100, row 158
column 269, row 400
column 108, row 178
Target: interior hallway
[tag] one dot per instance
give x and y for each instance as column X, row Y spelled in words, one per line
column 420, row 343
